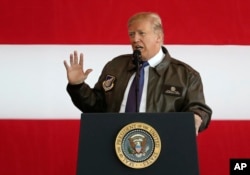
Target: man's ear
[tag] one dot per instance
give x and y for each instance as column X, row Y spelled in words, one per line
column 160, row 38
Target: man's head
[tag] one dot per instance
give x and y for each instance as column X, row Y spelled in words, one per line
column 146, row 33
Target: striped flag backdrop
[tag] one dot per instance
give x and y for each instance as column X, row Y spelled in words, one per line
column 39, row 125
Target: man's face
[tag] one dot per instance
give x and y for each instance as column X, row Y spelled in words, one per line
column 143, row 37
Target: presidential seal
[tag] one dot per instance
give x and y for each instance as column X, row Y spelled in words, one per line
column 138, row 145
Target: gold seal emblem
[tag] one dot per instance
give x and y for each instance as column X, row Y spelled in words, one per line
column 138, row 145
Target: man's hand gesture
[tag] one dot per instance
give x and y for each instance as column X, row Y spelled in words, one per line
column 75, row 71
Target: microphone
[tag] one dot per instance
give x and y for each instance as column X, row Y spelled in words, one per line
column 137, row 57
column 137, row 61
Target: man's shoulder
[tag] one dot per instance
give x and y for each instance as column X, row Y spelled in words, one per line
column 183, row 65
column 124, row 57
column 119, row 61
column 177, row 63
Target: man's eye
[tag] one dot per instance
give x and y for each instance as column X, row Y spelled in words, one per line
column 142, row 33
column 131, row 34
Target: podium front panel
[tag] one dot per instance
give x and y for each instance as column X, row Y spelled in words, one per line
column 98, row 132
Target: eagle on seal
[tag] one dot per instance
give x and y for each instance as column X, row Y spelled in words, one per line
column 138, row 144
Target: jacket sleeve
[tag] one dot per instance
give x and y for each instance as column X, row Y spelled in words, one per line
column 195, row 101
column 87, row 99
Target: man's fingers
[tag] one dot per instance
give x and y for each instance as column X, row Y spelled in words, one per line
column 71, row 59
column 81, row 59
column 197, row 131
column 66, row 64
column 197, row 126
column 75, row 60
column 88, row 71
column 198, row 122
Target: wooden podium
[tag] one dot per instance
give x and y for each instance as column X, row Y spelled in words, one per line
column 98, row 134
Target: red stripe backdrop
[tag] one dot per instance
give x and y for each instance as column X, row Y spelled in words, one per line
column 40, row 147
column 104, row 22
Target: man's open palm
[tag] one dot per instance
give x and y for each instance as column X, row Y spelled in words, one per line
column 75, row 71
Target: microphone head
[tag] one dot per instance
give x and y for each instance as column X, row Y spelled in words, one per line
column 137, row 53
column 137, row 57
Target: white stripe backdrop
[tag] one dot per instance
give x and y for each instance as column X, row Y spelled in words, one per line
column 33, row 77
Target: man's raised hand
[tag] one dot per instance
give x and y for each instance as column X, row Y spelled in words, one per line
column 75, row 71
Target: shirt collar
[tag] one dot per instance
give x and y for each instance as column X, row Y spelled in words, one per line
column 155, row 60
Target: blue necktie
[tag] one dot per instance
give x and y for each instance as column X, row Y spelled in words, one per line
column 132, row 105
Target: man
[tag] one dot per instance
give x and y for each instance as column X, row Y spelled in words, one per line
column 169, row 84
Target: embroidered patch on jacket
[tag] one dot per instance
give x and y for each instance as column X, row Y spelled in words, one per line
column 108, row 84
column 173, row 90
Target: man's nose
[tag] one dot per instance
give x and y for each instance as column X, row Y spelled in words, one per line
column 136, row 38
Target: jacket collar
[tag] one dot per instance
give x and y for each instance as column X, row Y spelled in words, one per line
column 160, row 68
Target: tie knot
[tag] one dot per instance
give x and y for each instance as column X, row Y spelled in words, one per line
column 144, row 64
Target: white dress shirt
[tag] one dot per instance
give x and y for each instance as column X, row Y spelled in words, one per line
column 154, row 61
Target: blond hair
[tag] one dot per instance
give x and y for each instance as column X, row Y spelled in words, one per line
column 153, row 17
